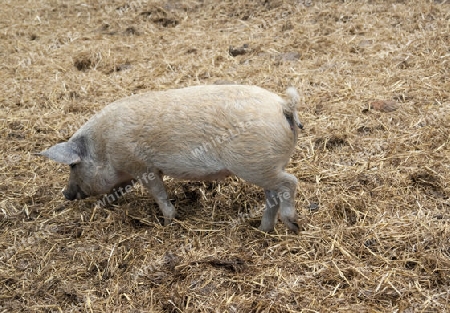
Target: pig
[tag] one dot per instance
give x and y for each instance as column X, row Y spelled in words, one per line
column 205, row 132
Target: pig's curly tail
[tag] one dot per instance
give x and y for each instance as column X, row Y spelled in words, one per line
column 291, row 107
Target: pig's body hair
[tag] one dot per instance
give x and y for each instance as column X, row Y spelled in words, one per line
column 159, row 132
column 160, row 129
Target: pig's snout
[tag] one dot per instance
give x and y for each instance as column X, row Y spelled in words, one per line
column 68, row 195
column 74, row 194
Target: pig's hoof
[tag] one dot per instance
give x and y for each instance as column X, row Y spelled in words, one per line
column 292, row 224
column 167, row 221
column 265, row 229
column 294, row 227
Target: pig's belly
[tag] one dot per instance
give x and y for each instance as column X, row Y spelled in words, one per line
column 198, row 175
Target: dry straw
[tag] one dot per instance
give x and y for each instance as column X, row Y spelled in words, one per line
column 373, row 185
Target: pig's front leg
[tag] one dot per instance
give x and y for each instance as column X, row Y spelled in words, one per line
column 270, row 212
column 154, row 183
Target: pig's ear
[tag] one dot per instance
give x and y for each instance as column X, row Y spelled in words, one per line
column 65, row 152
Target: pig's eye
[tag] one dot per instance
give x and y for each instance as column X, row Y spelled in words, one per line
column 72, row 166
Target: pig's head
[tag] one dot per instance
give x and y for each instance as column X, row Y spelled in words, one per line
column 85, row 175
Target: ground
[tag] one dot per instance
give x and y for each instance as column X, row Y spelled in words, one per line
column 372, row 161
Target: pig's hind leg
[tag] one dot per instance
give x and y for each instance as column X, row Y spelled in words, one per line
column 281, row 187
column 286, row 189
column 270, row 212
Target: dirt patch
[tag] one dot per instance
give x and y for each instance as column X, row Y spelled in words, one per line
column 429, row 183
column 330, row 143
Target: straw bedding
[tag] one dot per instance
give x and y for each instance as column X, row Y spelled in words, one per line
column 372, row 161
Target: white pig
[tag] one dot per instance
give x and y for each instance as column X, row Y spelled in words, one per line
column 196, row 133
